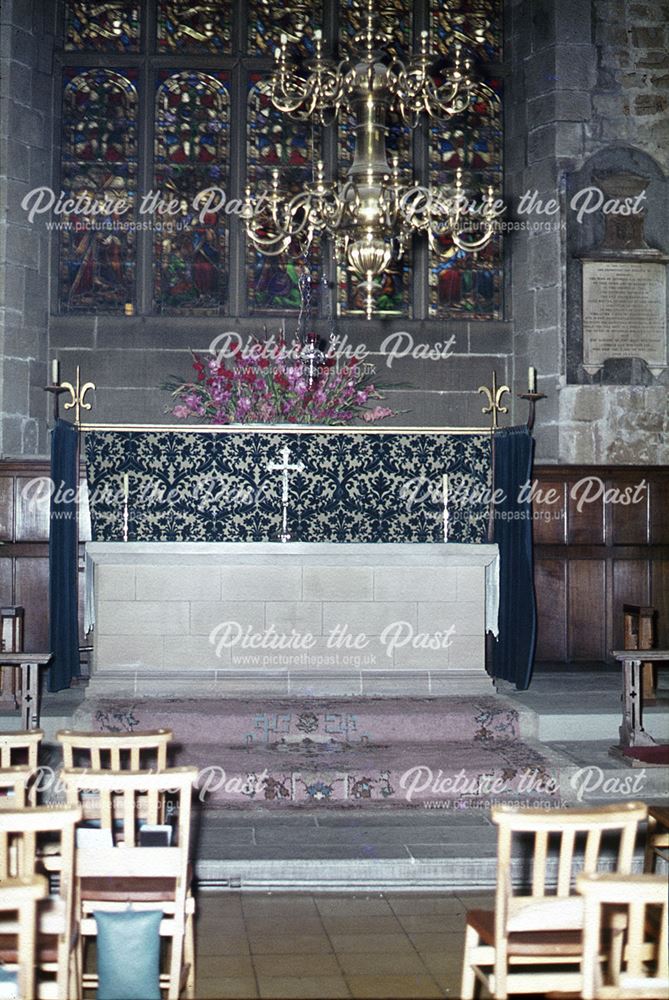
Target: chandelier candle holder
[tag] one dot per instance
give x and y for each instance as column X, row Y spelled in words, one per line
column 371, row 217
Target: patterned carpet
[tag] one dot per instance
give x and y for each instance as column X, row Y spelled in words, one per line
column 364, row 752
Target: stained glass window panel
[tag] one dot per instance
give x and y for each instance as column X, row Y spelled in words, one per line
column 276, row 142
column 476, row 24
column 191, row 150
column 269, row 20
column 396, row 20
column 464, row 284
column 194, row 27
column 101, row 27
column 99, row 174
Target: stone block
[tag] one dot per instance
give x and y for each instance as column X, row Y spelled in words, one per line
column 470, row 583
column 409, row 658
column 437, row 616
column 18, row 160
column 15, row 284
column 252, row 583
column 30, row 437
column 192, row 583
column 16, row 386
column 124, row 651
column 23, row 245
column 467, row 652
column 545, row 260
column 72, row 331
column 322, row 686
column 12, row 436
column 131, row 618
column 380, row 685
column 338, row 583
column 548, row 302
column 367, row 619
column 207, row 615
column 115, row 583
column 186, row 652
column 299, row 616
column 414, row 583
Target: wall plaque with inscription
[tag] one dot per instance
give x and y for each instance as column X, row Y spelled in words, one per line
column 624, row 312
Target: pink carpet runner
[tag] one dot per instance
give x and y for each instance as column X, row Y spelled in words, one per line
column 352, row 752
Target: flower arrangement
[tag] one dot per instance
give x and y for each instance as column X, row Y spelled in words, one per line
column 256, row 388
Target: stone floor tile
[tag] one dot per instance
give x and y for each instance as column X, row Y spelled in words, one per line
column 412, row 987
column 365, row 924
column 389, row 943
column 427, row 943
column 296, row 965
column 211, row 966
column 297, row 987
column 283, row 944
column 293, row 924
column 265, row 904
column 223, row 944
column 227, row 988
column 477, row 900
column 379, row 963
column 353, row 905
column 411, row 904
column 433, row 923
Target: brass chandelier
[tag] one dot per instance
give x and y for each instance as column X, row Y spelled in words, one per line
column 371, row 216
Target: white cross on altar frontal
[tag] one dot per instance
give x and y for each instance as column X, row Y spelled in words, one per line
column 284, row 467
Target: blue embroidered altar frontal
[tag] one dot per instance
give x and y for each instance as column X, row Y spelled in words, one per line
column 354, row 487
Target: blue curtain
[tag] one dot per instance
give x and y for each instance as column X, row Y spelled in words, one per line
column 513, row 657
column 63, row 587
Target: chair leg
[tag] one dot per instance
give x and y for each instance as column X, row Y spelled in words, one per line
column 468, row 985
column 189, row 956
column 176, row 962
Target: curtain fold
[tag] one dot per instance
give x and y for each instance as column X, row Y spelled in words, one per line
column 513, row 658
column 63, row 578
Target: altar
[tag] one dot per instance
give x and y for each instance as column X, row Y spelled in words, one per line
column 224, row 619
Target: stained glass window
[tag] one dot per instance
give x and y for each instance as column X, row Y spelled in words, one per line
column 277, row 142
column 191, row 149
column 464, row 284
column 99, row 177
column 269, row 20
column 101, row 27
column 215, row 127
column 194, row 27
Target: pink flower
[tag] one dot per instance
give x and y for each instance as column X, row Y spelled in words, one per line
column 181, row 412
column 376, row 413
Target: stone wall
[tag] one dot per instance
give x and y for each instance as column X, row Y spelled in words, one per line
column 26, row 157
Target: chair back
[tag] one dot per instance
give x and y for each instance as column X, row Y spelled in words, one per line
column 17, row 786
column 125, row 802
column 20, row 748
column 572, row 840
column 641, row 967
column 21, row 896
column 115, row 751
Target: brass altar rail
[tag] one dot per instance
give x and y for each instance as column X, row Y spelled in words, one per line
column 280, row 429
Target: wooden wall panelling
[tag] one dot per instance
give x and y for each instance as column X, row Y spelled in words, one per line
column 631, row 585
column 550, row 582
column 6, row 508
column 660, row 600
column 550, row 513
column 629, row 523
column 585, row 512
column 32, row 592
column 586, row 609
column 659, row 511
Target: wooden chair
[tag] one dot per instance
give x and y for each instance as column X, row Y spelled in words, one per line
column 17, row 787
column 140, row 877
column 657, row 838
column 20, row 748
column 20, row 896
column 542, row 927
column 115, row 751
column 21, row 833
column 641, row 968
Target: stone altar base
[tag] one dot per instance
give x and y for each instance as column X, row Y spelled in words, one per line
column 442, row 753
column 232, row 620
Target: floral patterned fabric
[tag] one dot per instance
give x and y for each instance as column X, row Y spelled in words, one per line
column 197, row 486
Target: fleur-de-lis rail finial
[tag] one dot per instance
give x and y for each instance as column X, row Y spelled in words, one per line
column 77, row 393
column 495, row 395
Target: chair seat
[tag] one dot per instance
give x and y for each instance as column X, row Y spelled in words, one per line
column 558, row 943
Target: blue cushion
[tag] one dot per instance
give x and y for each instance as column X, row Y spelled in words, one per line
column 128, row 951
